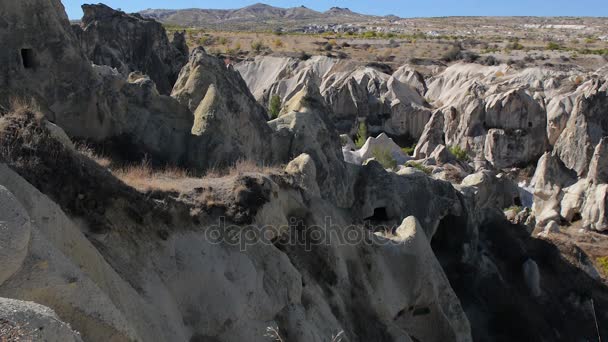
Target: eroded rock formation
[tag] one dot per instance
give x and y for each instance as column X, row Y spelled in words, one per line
column 129, row 42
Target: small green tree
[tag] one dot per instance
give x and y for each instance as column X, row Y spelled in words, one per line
column 274, row 107
column 459, row 153
column 409, row 150
column 361, row 135
column 384, row 157
column 257, row 46
column 553, row 46
column 419, row 166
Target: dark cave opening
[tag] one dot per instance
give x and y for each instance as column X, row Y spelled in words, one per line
column 380, row 215
column 28, row 58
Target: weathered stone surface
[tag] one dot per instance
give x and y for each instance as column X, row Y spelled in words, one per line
column 22, row 321
column 309, row 131
column 598, row 167
column 129, row 42
column 375, row 147
column 586, row 125
column 15, row 237
column 228, row 123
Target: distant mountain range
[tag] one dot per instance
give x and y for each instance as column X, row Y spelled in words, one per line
column 258, row 15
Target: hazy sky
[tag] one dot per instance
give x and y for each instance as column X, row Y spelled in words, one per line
column 403, row 8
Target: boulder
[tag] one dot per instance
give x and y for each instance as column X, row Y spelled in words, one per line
column 492, row 190
column 408, row 75
column 303, row 167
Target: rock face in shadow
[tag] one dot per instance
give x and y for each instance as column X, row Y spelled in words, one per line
column 129, row 42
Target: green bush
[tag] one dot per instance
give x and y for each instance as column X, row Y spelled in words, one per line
column 361, row 135
column 603, row 264
column 419, row 166
column 516, row 208
column 383, row 156
column 274, row 107
column 257, row 46
column 459, row 153
column 409, row 150
column 553, row 46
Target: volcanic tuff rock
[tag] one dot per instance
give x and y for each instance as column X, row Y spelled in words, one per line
column 128, row 42
column 119, row 264
column 228, row 123
column 393, row 104
column 173, row 280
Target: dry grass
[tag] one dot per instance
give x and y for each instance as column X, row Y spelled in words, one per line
column 241, row 167
column 88, row 151
column 144, row 177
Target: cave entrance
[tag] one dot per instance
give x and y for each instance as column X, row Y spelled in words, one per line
column 380, row 215
column 517, row 201
column 28, row 58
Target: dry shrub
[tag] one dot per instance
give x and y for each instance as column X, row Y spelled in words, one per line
column 144, row 177
column 243, row 166
column 89, row 152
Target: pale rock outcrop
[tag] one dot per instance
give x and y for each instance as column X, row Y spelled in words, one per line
column 408, row 75
column 598, row 167
column 517, row 113
column 268, row 76
column 228, row 123
column 492, row 190
column 432, row 136
column 385, row 102
column 500, row 114
column 559, row 195
column 28, row 321
column 382, row 144
column 586, row 125
column 308, row 130
column 441, row 155
column 408, row 111
column 129, row 42
column 304, row 169
column 393, row 104
column 550, row 178
column 594, row 211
